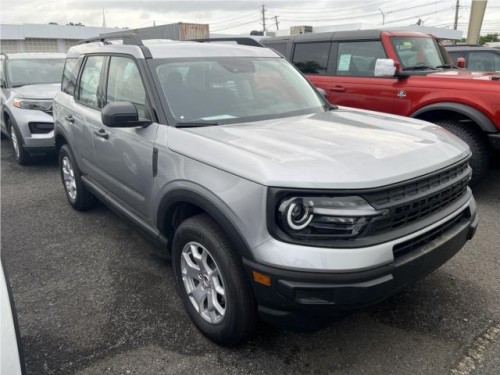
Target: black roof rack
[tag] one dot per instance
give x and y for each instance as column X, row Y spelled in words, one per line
column 127, row 38
column 242, row 41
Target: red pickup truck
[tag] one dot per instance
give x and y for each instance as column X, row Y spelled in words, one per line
column 404, row 73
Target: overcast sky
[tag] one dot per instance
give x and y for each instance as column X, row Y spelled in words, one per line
column 240, row 16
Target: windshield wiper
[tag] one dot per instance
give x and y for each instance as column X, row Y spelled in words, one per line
column 447, row 66
column 420, row 67
column 196, row 124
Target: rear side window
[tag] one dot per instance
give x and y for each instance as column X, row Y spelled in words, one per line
column 359, row 58
column 89, row 81
column 70, row 73
column 484, row 61
column 312, row 58
column 125, row 84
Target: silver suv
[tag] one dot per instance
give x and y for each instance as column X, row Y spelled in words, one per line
column 271, row 202
column 29, row 82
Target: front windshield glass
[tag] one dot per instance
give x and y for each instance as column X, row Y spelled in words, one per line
column 33, row 71
column 414, row 52
column 235, row 89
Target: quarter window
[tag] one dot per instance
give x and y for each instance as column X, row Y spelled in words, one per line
column 89, row 82
column 312, row 58
column 125, row 84
column 69, row 77
column 359, row 58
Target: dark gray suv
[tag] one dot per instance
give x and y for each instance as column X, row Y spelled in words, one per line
column 271, row 202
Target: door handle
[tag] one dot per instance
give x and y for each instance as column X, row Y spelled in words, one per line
column 337, row 88
column 70, row 119
column 101, row 133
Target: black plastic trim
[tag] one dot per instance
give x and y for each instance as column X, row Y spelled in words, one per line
column 211, row 206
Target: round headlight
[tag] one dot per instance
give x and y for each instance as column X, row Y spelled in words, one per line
column 296, row 214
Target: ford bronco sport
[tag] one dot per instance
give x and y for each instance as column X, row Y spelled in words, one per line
column 270, row 201
column 29, row 82
column 403, row 73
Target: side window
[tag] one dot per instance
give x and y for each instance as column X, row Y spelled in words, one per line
column 69, row 76
column 359, row 58
column 89, row 81
column 125, row 84
column 280, row 47
column 312, row 58
column 483, row 61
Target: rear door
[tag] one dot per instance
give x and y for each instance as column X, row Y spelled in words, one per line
column 124, row 156
column 78, row 108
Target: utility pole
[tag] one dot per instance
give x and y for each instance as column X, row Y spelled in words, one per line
column 455, row 25
column 264, row 18
column 276, row 20
column 383, row 16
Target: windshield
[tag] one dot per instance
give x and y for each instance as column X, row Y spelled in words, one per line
column 418, row 52
column 235, row 89
column 34, row 71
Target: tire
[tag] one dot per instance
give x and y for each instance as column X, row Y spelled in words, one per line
column 78, row 196
column 478, row 144
column 235, row 317
column 20, row 154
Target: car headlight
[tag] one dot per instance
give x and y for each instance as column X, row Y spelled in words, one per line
column 40, row 105
column 324, row 217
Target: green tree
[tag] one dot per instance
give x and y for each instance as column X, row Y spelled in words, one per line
column 489, row 38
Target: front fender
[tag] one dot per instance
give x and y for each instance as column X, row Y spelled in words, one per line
column 478, row 117
column 197, row 195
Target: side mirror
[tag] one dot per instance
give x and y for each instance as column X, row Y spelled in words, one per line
column 322, row 92
column 385, row 68
column 121, row 115
column 461, row 62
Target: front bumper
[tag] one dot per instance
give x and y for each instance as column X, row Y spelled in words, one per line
column 294, row 293
column 26, row 120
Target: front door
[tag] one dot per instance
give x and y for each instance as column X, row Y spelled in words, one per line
column 124, row 156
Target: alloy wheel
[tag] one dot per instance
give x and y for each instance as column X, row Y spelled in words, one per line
column 203, row 282
column 69, row 178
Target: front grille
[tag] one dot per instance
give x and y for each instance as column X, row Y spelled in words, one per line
column 419, row 241
column 419, row 198
column 41, row 127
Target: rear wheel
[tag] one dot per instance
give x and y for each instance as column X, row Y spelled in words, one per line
column 477, row 142
column 20, row 154
column 211, row 281
column 78, row 196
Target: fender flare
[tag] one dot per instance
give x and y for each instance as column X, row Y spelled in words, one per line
column 186, row 192
column 479, row 118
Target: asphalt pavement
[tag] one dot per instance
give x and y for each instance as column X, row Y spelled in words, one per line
column 94, row 297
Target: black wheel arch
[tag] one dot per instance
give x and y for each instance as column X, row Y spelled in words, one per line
column 180, row 203
column 440, row 111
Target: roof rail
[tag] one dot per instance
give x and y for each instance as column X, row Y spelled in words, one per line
column 242, row 41
column 127, row 38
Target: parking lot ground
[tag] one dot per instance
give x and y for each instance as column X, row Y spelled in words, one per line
column 93, row 297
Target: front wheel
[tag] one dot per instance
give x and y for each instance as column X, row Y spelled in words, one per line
column 478, row 145
column 211, row 281
column 20, row 154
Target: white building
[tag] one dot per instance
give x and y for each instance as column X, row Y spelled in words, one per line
column 45, row 38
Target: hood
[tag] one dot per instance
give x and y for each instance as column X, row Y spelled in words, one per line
column 466, row 74
column 344, row 148
column 41, row 91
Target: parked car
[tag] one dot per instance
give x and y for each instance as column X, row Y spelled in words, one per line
column 478, row 58
column 403, row 73
column 271, row 202
column 11, row 355
column 29, row 82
